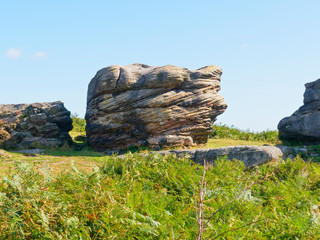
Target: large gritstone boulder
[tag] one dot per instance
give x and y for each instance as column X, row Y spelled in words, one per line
column 139, row 105
column 37, row 125
column 304, row 124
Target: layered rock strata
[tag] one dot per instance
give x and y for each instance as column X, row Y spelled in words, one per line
column 139, row 105
column 304, row 124
column 37, row 125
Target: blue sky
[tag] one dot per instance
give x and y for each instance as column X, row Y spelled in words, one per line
column 268, row 50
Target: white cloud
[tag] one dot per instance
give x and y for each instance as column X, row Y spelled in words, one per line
column 13, row 53
column 40, row 55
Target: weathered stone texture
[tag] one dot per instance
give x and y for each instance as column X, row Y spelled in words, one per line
column 37, row 125
column 304, row 124
column 251, row 156
column 140, row 105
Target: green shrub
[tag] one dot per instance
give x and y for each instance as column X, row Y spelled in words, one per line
column 79, row 124
column 224, row 131
column 4, row 135
column 154, row 197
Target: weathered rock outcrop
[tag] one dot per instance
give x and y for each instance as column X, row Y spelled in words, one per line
column 140, row 105
column 37, row 125
column 304, row 124
column 251, row 156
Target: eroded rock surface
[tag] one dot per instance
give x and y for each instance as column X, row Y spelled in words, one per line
column 37, row 125
column 251, row 156
column 304, row 124
column 31, row 151
column 140, row 105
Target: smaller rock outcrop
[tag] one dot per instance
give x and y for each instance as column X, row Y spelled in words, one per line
column 304, row 124
column 251, row 156
column 37, row 125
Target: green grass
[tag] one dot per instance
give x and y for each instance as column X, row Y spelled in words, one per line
column 79, row 129
column 223, row 136
column 225, row 142
column 222, row 131
column 79, row 124
column 155, row 197
column 67, row 194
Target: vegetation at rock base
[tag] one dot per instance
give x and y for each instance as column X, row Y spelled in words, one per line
column 67, row 194
column 155, row 197
column 222, row 136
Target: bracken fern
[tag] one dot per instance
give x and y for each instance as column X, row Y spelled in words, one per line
column 149, row 196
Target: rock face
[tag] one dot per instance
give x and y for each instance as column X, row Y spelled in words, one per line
column 304, row 124
column 140, row 105
column 37, row 125
column 251, row 156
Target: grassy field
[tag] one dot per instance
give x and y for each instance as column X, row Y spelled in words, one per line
column 155, row 197
column 60, row 159
column 222, row 131
column 68, row 194
column 84, row 159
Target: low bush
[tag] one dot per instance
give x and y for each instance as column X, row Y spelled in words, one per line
column 224, row 131
column 79, row 124
column 4, row 135
column 154, row 197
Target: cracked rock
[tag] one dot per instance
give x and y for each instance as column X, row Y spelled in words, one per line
column 141, row 105
column 37, row 125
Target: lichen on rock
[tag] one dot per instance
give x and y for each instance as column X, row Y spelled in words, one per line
column 139, row 105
